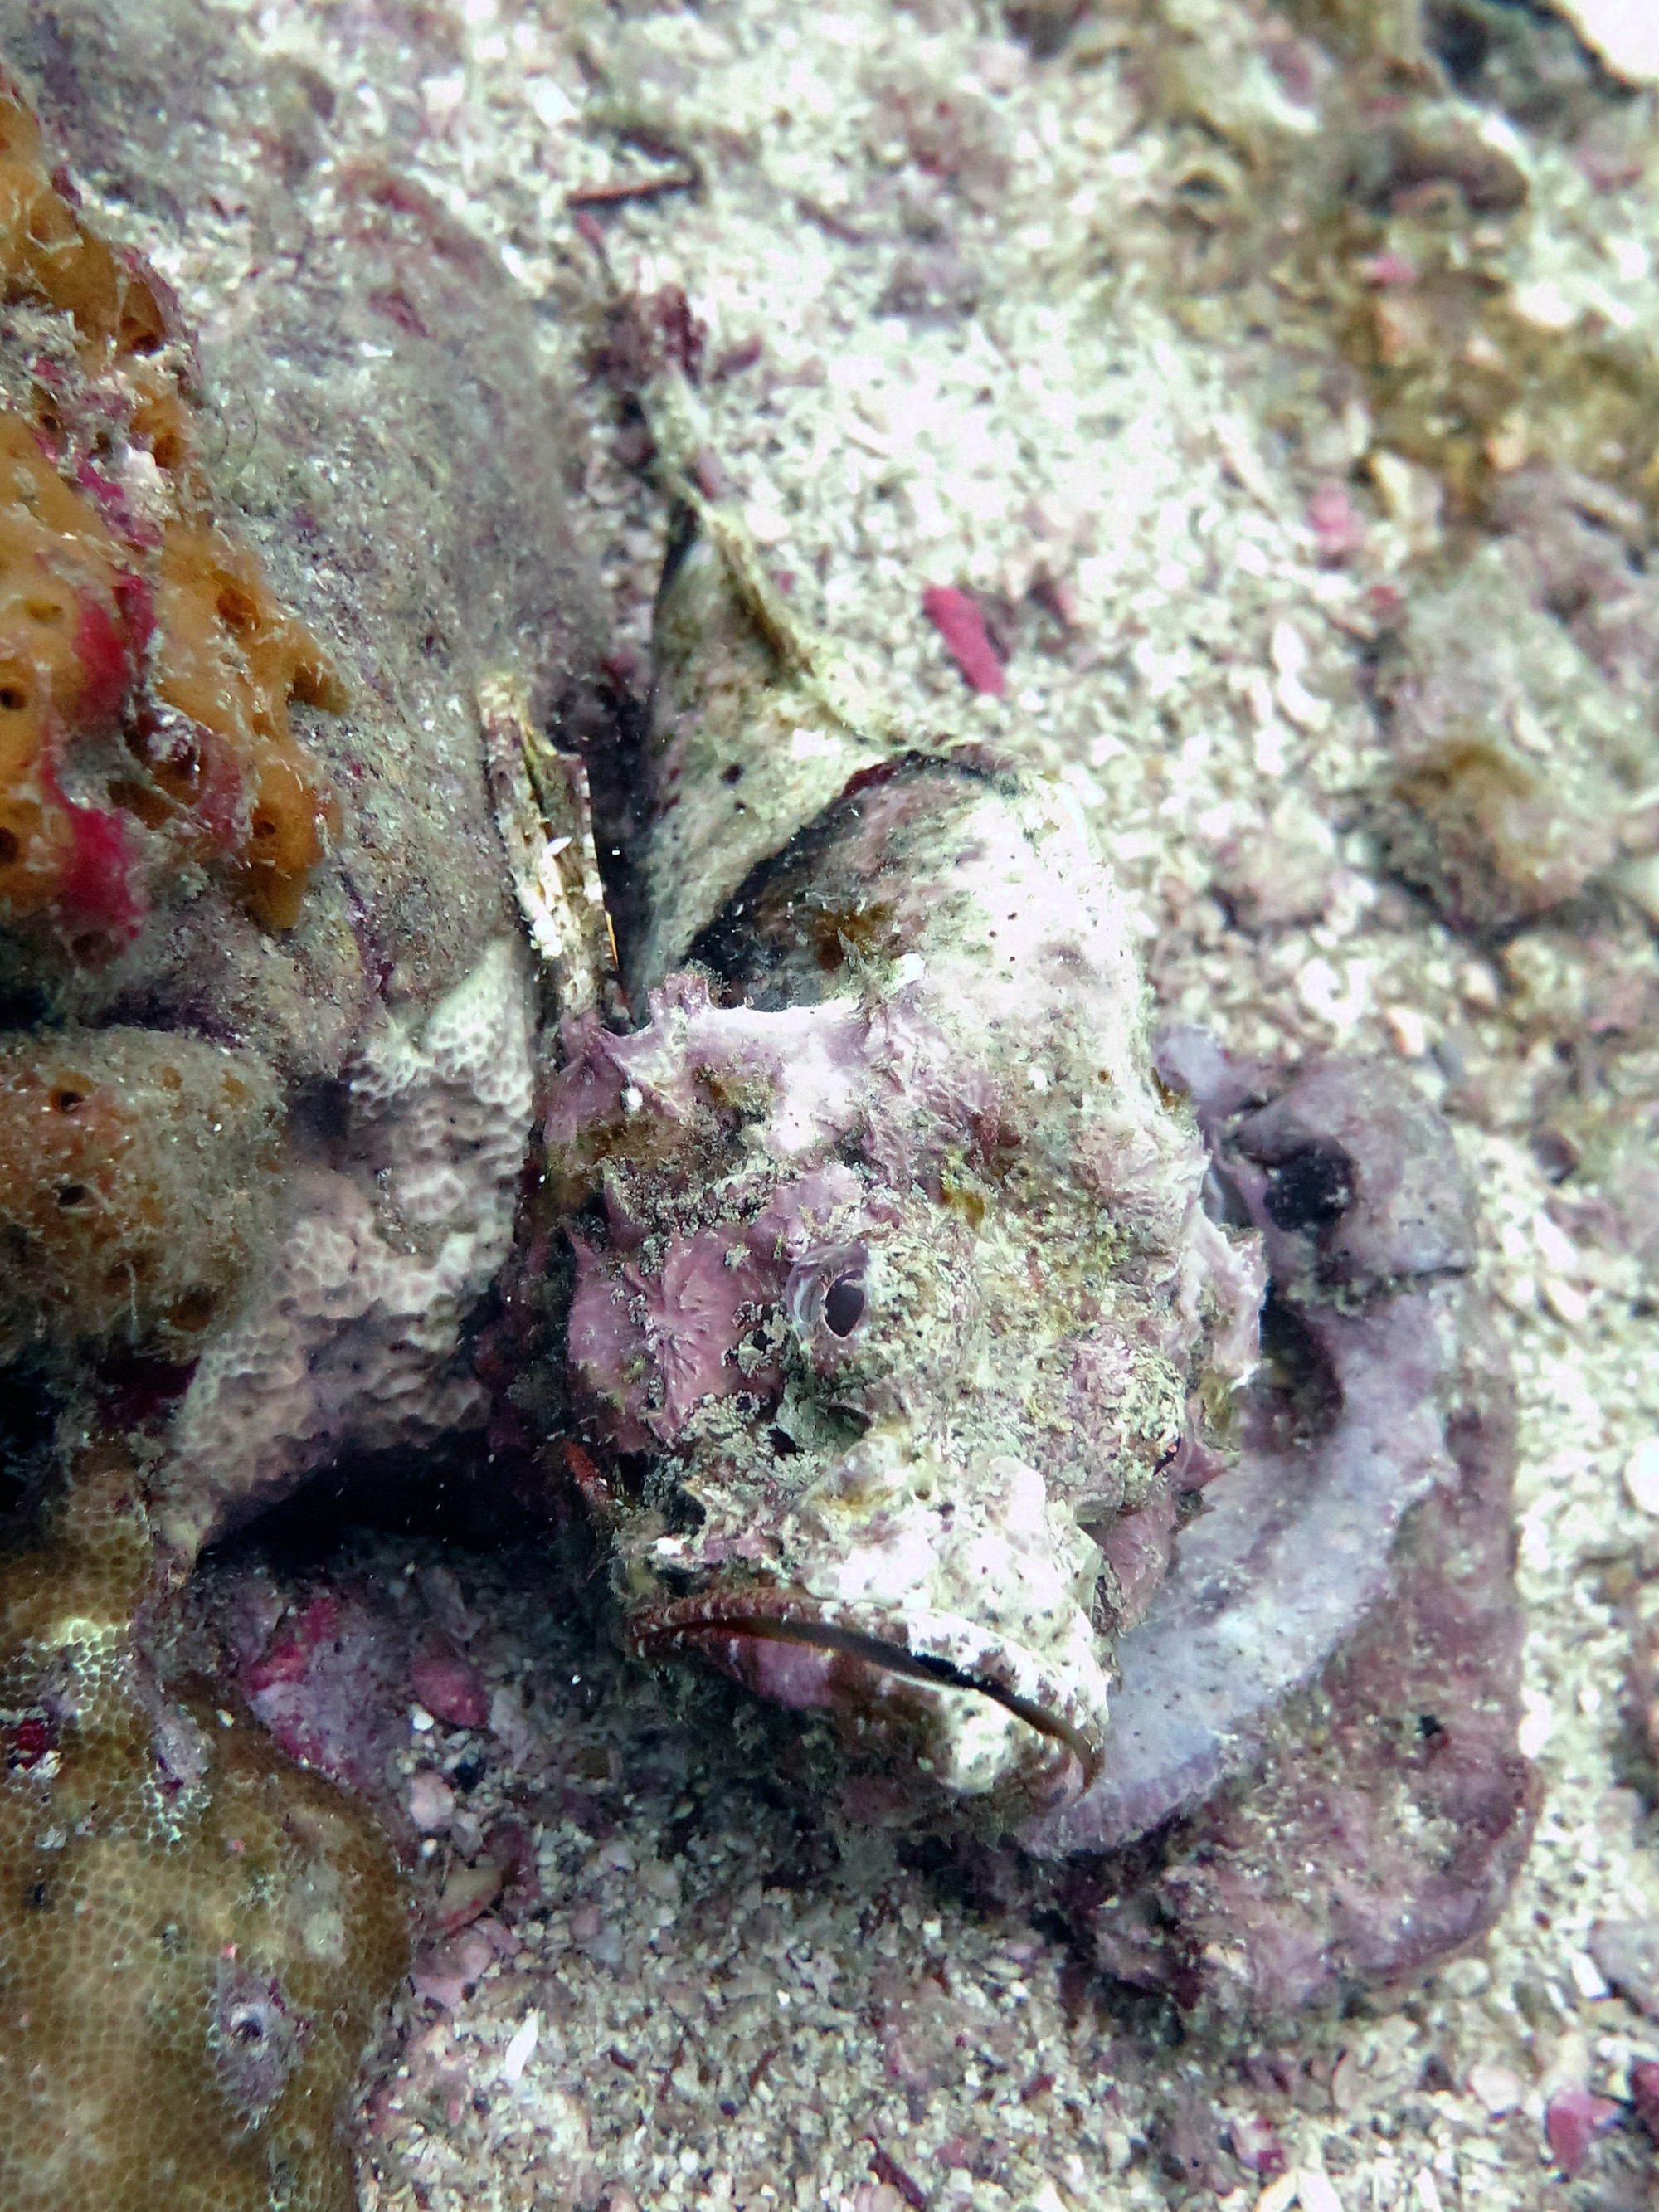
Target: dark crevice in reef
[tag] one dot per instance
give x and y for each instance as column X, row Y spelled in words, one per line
column 28, row 1409
column 615, row 755
column 449, row 1498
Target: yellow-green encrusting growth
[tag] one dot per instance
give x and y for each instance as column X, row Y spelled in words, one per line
column 196, row 1938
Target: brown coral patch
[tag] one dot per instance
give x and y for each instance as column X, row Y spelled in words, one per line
column 196, row 1939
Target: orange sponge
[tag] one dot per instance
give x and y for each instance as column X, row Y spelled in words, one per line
column 146, row 667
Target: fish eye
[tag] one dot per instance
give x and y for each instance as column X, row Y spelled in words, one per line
column 843, row 1305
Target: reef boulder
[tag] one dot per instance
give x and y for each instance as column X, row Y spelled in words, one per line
column 1313, row 1784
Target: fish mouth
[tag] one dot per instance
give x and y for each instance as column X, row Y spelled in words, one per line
column 1003, row 1730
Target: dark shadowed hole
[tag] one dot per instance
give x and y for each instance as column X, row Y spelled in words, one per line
column 1310, row 1190
column 843, row 1305
column 1295, row 1399
column 456, row 1497
column 1460, row 41
column 28, row 1416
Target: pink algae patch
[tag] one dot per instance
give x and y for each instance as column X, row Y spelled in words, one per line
column 96, row 883
column 450, row 1688
column 957, row 619
column 289, row 1656
column 1571, row 2124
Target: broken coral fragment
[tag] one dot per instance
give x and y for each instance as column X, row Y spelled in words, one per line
column 1361, row 167
column 955, row 614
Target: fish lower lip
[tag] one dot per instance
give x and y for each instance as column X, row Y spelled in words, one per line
column 701, row 1628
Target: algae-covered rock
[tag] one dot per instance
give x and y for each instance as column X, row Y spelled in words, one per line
column 303, row 506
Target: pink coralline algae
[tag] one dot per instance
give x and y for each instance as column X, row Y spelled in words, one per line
column 956, row 616
column 1575, row 2118
column 449, row 1687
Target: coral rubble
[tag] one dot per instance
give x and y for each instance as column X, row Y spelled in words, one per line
column 902, row 1313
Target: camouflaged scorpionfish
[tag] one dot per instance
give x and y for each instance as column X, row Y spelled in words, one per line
column 890, row 1262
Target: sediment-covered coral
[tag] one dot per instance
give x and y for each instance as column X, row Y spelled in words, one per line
column 400, row 1220
column 138, row 1181
column 196, row 1938
column 403, row 487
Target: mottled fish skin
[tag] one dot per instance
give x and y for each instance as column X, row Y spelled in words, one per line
column 891, row 1256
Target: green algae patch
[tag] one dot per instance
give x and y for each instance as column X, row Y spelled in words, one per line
column 198, row 1939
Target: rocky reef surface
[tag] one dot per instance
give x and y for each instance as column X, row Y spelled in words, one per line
column 1221, row 444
